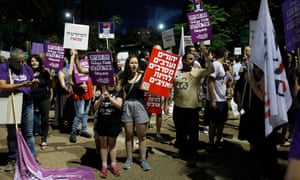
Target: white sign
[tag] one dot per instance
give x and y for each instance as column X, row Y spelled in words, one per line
column 168, row 38
column 237, row 51
column 76, row 36
column 188, row 41
column 6, row 54
column 6, row 110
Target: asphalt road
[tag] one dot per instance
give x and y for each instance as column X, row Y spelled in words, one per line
column 231, row 163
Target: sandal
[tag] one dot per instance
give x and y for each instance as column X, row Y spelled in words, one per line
column 44, row 145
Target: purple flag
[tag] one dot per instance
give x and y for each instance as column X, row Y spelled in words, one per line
column 27, row 168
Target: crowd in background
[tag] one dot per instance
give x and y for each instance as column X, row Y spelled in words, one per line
column 206, row 81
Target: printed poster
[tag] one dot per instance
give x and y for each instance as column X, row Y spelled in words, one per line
column 101, row 68
column 54, row 56
column 200, row 27
column 76, row 36
column 161, row 69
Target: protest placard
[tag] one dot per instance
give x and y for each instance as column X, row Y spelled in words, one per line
column 81, row 77
column 153, row 103
column 54, row 56
column 76, row 36
column 200, row 27
column 101, row 69
column 160, row 72
column 168, row 38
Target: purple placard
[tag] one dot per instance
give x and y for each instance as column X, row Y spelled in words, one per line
column 291, row 19
column 200, row 28
column 80, row 77
column 37, row 48
column 54, row 57
column 101, row 69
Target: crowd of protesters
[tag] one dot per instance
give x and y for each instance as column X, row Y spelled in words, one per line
column 123, row 107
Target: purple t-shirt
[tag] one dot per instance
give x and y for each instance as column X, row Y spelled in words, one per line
column 295, row 147
column 25, row 74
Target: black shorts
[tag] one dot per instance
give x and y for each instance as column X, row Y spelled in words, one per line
column 219, row 114
column 109, row 129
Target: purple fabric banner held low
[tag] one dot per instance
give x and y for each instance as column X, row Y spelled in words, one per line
column 27, row 168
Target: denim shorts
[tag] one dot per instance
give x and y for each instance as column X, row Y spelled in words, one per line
column 134, row 111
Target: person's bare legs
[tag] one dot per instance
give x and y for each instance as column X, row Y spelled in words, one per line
column 158, row 123
column 129, row 129
column 141, row 130
column 103, row 149
column 129, row 138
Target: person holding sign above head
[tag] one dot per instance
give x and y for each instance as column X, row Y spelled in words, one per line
column 82, row 94
column 17, row 77
column 134, row 112
column 186, row 87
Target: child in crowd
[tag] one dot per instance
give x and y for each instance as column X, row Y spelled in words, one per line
column 108, row 126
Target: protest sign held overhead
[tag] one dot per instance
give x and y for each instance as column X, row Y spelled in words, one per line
column 168, row 38
column 200, row 27
column 54, row 56
column 76, row 36
column 160, row 72
column 106, row 30
column 101, row 69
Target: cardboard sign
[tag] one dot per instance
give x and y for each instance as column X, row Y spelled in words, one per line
column 160, row 72
column 101, row 69
column 168, row 38
column 76, row 36
column 6, row 110
column 54, row 56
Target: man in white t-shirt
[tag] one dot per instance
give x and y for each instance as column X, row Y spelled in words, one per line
column 217, row 107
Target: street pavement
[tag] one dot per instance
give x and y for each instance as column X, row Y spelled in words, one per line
column 231, row 163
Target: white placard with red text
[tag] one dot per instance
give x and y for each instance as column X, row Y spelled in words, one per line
column 76, row 36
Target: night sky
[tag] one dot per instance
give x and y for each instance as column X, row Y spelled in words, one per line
column 146, row 13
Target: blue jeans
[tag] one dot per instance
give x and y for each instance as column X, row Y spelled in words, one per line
column 27, row 132
column 82, row 108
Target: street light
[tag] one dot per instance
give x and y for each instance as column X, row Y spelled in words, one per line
column 161, row 26
column 68, row 16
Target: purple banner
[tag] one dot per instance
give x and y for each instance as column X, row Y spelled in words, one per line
column 37, row 48
column 80, row 77
column 200, row 28
column 27, row 168
column 291, row 19
column 54, row 57
column 101, row 69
